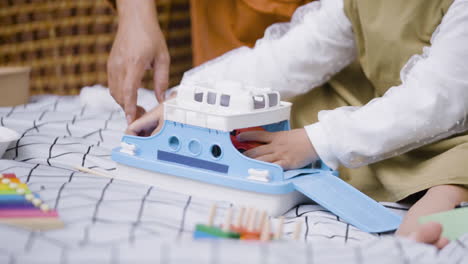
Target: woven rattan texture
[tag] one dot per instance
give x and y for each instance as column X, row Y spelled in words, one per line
column 67, row 42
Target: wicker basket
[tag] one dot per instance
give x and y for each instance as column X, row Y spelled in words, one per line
column 67, row 42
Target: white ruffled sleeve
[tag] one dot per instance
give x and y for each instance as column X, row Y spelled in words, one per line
column 429, row 105
column 292, row 58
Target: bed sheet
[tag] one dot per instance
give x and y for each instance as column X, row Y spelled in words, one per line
column 114, row 221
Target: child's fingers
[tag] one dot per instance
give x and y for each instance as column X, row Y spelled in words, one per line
column 259, row 151
column 145, row 123
column 259, row 136
column 142, row 131
column 160, row 125
column 428, row 233
column 442, row 242
column 130, row 132
column 283, row 164
column 268, row 158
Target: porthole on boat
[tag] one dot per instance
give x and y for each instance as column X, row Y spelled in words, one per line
column 216, row 151
column 194, row 147
column 174, row 143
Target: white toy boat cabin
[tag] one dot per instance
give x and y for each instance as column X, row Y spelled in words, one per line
column 226, row 107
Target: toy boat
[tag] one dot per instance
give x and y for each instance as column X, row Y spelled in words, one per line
column 193, row 153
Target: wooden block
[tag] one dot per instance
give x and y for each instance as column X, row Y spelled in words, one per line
column 6, row 187
column 14, row 179
column 279, row 229
column 212, row 215
column 250, row 236
column 265, row 234
column 13, row 192
column 14, row 84
column 12, row 198
column 214, row 231
column 27, row 213
column 9, row 175
column 238, row 229
column 34, row 223
column 203, row 235
column 16, row 206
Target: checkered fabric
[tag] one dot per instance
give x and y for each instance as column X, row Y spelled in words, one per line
column 113, row 221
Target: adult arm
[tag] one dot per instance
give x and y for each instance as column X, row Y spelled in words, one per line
column 138, row 45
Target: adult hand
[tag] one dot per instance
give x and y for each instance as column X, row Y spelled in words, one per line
column 138, row 45
column 290, row 149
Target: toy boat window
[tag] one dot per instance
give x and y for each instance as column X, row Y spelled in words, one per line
column 272, row 99
column 225, row 100
column 211, row 99
column 259, row 101
column 198, row 97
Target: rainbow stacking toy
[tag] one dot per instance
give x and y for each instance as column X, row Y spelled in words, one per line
column 20, row 207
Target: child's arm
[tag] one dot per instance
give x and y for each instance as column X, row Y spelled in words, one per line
column 430, row 104
column 437, row 199
column 289, row 149
column 291, row 58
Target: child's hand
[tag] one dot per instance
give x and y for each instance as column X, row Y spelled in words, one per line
column 289, row 149
column 150, row 123
column 147, row 125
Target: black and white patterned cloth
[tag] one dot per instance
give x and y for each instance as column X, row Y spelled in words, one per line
column 114, row 221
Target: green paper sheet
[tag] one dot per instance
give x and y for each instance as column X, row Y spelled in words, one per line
column 454, row 222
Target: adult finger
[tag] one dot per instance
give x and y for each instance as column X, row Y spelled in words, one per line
column 259, row 151
column 114, row 79
column 161, row 76
column 131, row 83
column 140, row 112
column 259, row 136
column 160, row 118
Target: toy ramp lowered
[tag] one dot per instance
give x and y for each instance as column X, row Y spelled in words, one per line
column 347, row 202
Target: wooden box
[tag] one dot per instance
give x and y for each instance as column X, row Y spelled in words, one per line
column 14, row 85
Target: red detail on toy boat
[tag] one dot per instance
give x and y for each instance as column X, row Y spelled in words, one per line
column 245, row 145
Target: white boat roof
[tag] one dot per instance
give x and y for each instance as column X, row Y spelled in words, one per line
column 226, row 106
